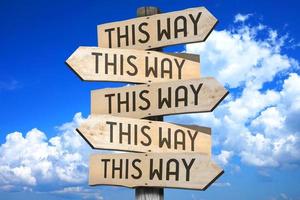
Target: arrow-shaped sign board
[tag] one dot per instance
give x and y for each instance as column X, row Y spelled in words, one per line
column 133, row 66
column 188, row 96
column 137, row 135
column 180, row 170
column 186, row 26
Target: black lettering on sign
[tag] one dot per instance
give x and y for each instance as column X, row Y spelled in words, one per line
column 121, row 64
column 120, row 36
column 125, row 133
column 111, row 131
column 144, row 32
column 169, row 171
column 143, row 130
column 161, row 32
column 164, row 140
column 135, row 135
column 192, row 137
column 133, row 101
column 196, row 92
column 134, row 67
column 195, row 22
column 109, row 102
column 109, row 36
column 184, row 95
column 188, row 168
column 121, row 102
column 146, row 100
column 156, row 172
column 179, row 67
column 105, row 161
column 164, row 71
column 164, row 100
column 139, row 175
column 96, row 54
column 133, row 34
column 126, row 168
column 113, row 63
column 151, row 69
column 177, row 21
column 115, row 168
column 177, row 141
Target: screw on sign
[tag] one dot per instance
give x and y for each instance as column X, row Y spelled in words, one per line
column 180, row 154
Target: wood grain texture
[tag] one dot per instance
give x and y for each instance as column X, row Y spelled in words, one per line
column 143, row 32
column 137, row 135
column 132, row 66
column 148, row 193
column 190, row 96
column 175, row 170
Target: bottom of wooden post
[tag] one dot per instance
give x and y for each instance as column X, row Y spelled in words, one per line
column 149, row 193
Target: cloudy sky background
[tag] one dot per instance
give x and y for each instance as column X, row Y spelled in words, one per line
column 255, row 130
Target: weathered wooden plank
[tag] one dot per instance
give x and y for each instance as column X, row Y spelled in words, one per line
column 185, row 26
column 189, row 96
column 137, row 135
column 174, row 170
column 133, row 66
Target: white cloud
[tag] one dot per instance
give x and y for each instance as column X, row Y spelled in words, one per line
column 80, row 191
column 223, row 157
column 33, row 159
column 9, row 85
column 257, row 123
column 222, row 184
column 236, row 58
column 241, row 18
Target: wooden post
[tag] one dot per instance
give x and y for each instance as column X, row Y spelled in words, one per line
column 148, row 193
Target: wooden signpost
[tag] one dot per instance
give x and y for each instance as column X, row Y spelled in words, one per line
column 170, row 155
column 180, row 170
column 189, row 96
column 133, row 66
column 137, row 135
column 186, row 26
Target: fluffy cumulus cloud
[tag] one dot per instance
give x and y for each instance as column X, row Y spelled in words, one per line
column 224, row 157
column 32, row 160
column 259, row 121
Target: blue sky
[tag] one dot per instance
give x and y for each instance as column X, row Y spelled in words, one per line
column 254, row 51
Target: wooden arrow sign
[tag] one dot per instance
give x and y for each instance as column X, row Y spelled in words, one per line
column 198, row 95
column 134, row 66
column 186, row 26
column 177, row 170
column 127, row 134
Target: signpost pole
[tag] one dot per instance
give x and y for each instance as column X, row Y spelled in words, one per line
column 148, row 193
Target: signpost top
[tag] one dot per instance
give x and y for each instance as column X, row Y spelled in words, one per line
column 186, row 26
column 120, row 57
